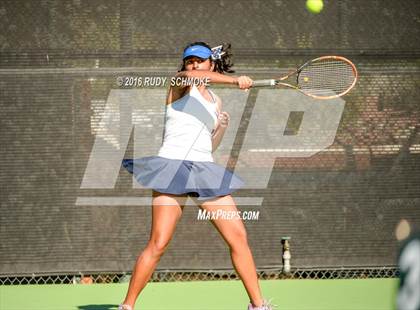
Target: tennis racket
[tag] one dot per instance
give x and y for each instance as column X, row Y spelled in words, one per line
column 325, row 77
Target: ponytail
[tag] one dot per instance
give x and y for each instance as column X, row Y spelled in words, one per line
column 224, row 63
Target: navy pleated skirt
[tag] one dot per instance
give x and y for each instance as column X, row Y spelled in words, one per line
column 204, row 180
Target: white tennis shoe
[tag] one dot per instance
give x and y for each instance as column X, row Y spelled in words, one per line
column 267, row 305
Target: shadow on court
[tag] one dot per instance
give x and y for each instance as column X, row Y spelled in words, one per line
column 98, row 307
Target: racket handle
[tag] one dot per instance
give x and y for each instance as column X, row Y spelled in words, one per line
column 270, row 82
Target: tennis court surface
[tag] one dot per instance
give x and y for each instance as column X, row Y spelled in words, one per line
column 367, row 294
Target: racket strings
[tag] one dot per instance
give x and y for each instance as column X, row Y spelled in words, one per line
column 326, row 78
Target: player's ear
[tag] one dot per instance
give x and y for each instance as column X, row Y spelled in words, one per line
column 212, row 64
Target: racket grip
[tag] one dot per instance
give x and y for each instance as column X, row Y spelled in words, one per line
column 270, row 82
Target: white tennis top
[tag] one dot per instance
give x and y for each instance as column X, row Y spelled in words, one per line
column 189, row 122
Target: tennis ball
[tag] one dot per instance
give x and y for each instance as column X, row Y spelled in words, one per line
column 314, row 6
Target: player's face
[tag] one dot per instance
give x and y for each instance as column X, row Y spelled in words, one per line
column 196, row 63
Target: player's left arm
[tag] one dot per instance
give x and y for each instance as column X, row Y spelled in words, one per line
column 222, row 123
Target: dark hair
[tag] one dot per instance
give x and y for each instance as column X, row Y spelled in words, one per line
column 220, row 65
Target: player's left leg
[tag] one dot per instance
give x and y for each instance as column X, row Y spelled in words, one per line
column 234, row 233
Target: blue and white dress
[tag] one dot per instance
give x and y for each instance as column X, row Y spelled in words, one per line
column 184, row 164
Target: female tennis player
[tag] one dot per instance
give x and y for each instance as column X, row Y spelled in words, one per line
column 194, row 127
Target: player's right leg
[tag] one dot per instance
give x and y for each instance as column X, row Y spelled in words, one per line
column 166, row 211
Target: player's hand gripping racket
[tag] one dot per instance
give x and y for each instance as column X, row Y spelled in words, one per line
column 325, row 77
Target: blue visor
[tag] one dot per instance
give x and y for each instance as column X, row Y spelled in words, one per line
column 198, row 51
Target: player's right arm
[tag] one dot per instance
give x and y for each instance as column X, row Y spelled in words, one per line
column 177, row 91
column 243, row 81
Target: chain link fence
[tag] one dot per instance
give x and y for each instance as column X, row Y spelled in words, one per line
column 271, row 273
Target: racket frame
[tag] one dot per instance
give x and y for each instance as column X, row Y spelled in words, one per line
column 277, row 82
